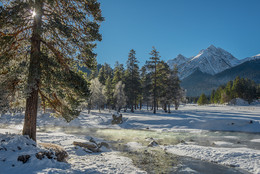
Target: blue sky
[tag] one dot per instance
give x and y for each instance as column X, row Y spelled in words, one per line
column 177, row 26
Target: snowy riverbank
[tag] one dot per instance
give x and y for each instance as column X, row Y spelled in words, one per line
column 189, row 118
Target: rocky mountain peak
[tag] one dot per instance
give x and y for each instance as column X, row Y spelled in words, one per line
column 180, row 56
column 212, row 48
column 211, row 60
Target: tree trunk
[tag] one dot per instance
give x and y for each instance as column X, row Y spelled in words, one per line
column 140, row 104
column 132, row 107
column 132, row 89
column 33, row 82
column 169, row 108
column 176, row 105
column 165, row 107
column 154, row 91
column 44, row 105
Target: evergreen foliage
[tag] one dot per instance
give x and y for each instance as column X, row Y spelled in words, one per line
column 163, row 84
column 38, row 53
column 199, row 82
column 202, row 100
column 105, row 72
column 177, row 94
column 109, row 92
column 212, row 96
column 238, row 88
column 132, row 80
column 152, row 65
column 139, row 85
column 146, row 86
column 118, row 73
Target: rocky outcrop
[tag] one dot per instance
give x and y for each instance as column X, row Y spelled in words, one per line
column 91, row 146
column 153, row 143
column 23, row 158
column 117, row 118
column 88, row 145
column 57, row 150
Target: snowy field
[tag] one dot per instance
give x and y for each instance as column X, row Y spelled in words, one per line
column 242, row 152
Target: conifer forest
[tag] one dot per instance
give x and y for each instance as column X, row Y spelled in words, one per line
column 95, row 86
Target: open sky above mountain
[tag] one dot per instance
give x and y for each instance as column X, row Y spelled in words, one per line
column 179, row 26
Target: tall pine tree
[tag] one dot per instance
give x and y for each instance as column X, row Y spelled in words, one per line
column 44, row 39
column 163, row 84
column 109, row 92
column 146, row 85
column 152, row 65
column 132, row 79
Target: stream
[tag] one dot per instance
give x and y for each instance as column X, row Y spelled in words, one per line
column 156, row 159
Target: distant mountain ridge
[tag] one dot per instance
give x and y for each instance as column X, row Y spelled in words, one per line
column 211, row 61
column 199, row 82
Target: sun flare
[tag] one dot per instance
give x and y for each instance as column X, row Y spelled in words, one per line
column 33, row 13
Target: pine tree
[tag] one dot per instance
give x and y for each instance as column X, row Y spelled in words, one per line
column 132, row 79
column 105, row 72
column 146, row 85
column 177, row 92
column 217, row 95
column 240, row 87
column 109, row 92
column 163, row 84
column 224, row 96
column 102, row 75
column 258, row 91
column 94, row 73
column 212, row 96
column 119, row 95
column 202, row 100
column 43, row 40
column 152, row 65
column 118, row 73
column 237, row 88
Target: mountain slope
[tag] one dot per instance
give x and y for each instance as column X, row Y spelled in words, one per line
column 248, row 69
column 211, row 61
column 199, row 82
column 180, row 59
column 250, row 58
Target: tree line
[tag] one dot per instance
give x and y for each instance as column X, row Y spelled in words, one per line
column 41, row 45
column 243, row 88
column 153, row 85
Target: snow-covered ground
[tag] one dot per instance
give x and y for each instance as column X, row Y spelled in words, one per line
column 211, row 117
column 189, row 118
column 245, row 158
column 79, row 162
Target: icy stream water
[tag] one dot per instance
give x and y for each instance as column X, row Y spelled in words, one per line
column 156, row 160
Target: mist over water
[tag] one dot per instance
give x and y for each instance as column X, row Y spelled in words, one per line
column 156, row 159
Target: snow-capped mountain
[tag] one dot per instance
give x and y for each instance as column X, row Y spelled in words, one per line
column 180, row 59
column 211, row 61
column 250, row 58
